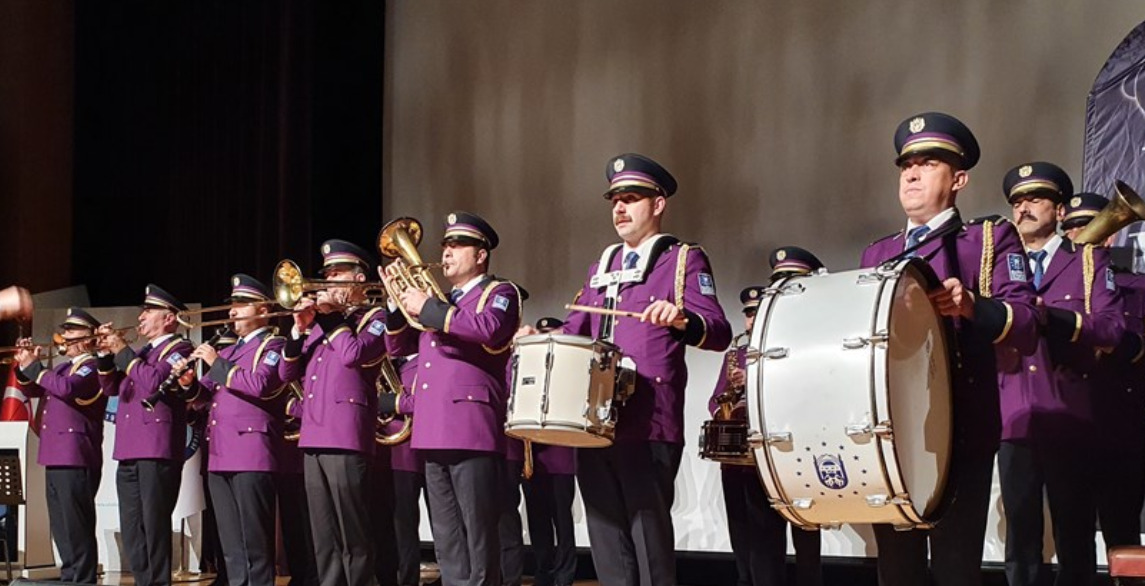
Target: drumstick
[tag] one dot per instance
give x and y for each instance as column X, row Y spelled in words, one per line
column 616, row 312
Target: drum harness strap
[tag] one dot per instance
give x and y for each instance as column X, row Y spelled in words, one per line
column 612, row 280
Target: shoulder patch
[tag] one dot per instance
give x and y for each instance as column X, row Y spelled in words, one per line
column 272, row 358
column 84, row 370
column 501, row 302
column 1017, row 265
column 174, row 357
column 707, row 285
column 1110, row 282
column 376, row 327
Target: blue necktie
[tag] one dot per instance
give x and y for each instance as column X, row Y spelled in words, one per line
column 914, row 237
column 454, row 295
column 239, row 344
column 1039, row 257
column 630, row 260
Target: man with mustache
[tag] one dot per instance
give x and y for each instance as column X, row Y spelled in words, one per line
column 461, row 396
column 1047, row 412
column 985, row 294
column 628, row 487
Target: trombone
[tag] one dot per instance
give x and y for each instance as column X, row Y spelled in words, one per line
column 290, row 286
column 183, row 316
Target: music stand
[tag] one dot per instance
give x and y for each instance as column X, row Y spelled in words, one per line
column 11, row 494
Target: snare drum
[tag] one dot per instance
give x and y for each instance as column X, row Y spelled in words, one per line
column 565, row 390
column 849, row 387
column 725, row 441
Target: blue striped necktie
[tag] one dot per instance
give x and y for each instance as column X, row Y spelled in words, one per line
column 1039, row 257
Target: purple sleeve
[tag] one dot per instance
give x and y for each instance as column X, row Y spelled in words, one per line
column 149, row 376
column 1020, row 329
column 708, row 327
column 363, row 345
column 1102, row 328
column 401, row 339
column 83, row 384
column 261, row 381
column 494, row 325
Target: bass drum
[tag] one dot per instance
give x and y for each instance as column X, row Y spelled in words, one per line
column 849, row 392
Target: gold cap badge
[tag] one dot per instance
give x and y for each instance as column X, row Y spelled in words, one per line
column 917, row 124
column 325, row 249
column 235, row 281
column 1073, row 203
column 782, row 254
column 451, row 219
column 618, row 165
column 753, row 294
column 1025, row 171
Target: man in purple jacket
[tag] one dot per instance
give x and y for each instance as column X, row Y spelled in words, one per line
column 463, row 356
column 985, row 294
column 1048, row 429
column 334, row 349
column 244, row 430
column 1119, row 402
column 71, row 441
column 149, row 442
column 628, row 487
column 548, row 501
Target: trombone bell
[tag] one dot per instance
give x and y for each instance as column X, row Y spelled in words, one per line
column 1124, row 208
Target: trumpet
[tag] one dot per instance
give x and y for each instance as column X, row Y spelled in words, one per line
column 128, row 334
column 398, row 240
column 290, row 286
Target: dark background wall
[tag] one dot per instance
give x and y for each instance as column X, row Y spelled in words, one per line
column 180, row 142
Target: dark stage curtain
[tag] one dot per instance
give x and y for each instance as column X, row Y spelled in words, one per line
column 219, row 137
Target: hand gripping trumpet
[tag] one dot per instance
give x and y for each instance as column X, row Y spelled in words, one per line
column 398, row 240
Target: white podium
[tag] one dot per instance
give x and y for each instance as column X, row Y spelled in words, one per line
column 34, row 557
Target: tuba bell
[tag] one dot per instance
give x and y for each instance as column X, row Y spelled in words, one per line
column 389, row 381
column 1124, row 208
column 398, row 240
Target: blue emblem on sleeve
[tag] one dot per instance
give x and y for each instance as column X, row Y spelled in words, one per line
column 831, row 471
column 173, row 358
column 501, row 302
column 271, row 359
column 1017, row 266
column 707, row 284
column 84, row 371
column 1110, row 283
column 376, row 327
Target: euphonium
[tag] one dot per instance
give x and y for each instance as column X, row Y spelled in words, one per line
column 389, row 381
column 1124, row 208
column 398, row 240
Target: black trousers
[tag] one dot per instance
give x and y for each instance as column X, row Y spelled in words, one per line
column 382, row 512
column 408, row 487
column 297, row 539
column 463, row 488
column 71, row 517
column 509, row 527
column 244, row 511
column 955, row 543
column 628, row 489
column 549, row 501
column 759, row 534
column 1120, row 491
column 147, row 492
column 1065, row 475
column 336, row 483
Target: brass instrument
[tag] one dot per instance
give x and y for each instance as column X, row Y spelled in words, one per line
column 732, row 393
column 724, row 438
column 1124, row 208
column 290, row 286
column 29, row 345
column 16, row 304
column 398, row 240
column 389, row 381
column 128, row 334
column 183, row 316
column 292, row 426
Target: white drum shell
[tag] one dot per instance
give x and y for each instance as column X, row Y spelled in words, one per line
column 851, row 396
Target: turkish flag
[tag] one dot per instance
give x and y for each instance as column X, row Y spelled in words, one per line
column 15, row 406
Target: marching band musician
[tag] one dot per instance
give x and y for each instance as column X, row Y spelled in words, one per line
column 409, row 482
column 149, row 443
column 991, row 308
column 758, row 533
column 1119, row 399
column 334, row 348
column 628, row 488
column 461, row 397
column 71, row 441
column 293, row 510
column 549, row 497
column 1047, row 413
column 243, row 432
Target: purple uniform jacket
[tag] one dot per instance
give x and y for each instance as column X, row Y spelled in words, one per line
column 553, row 460
column 1004, row 321
column 655, row 411
column 1119, row 402
column 162, row 432
column 244, row 428
column 461, row 393
column 71, row 416
column 338, row 373
column 403, row 456
column 1047, row 396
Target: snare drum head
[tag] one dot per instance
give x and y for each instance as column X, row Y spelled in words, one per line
column 918, row 389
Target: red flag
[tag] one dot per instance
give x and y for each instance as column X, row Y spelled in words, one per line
column 15, row 406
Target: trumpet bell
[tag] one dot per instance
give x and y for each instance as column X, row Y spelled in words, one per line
column 399, row 239
column 1124, row 208
column 16, row 304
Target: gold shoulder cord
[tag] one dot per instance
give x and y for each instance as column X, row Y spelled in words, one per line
column 681, row 274
column 85, row 402
column 1087, row 270
column 986, row 270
